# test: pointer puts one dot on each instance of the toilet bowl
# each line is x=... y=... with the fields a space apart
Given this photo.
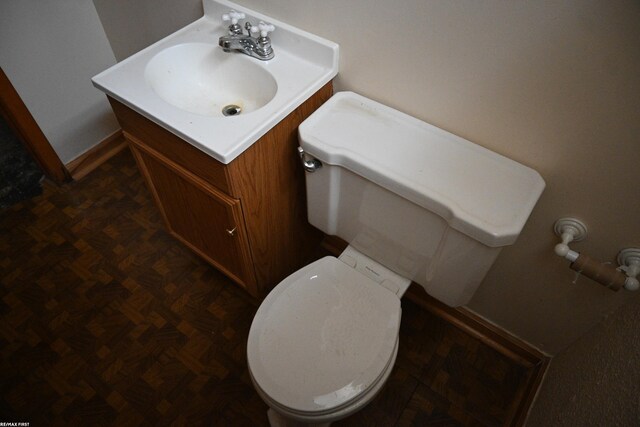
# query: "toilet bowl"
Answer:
x=415 y=203
x=323 y=342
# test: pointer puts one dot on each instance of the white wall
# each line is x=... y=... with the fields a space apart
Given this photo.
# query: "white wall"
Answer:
x=134 y=25
x=552 y=84
x=50 y=50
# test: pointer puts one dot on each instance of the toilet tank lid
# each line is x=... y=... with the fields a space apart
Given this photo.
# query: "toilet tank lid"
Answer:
x=477 y=191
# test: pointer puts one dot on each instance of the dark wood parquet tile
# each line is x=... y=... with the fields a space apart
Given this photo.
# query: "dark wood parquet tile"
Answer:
x=106 y=320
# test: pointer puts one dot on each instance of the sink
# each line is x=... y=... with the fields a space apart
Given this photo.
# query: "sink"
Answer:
x=202 y=79
x=185 y=81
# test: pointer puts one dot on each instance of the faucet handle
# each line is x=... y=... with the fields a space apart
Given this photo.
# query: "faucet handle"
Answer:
x=233 y=16
x=264 y=29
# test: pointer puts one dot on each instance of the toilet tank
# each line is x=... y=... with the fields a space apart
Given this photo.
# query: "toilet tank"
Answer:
x=429 y=205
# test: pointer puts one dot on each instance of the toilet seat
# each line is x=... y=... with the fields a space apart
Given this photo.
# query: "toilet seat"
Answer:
x=323 y=338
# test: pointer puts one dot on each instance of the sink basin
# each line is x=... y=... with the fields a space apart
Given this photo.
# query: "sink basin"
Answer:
x=184 y=81
x=202 y=79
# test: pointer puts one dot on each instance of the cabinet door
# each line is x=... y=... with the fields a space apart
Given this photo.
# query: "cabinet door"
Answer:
x=202 y=217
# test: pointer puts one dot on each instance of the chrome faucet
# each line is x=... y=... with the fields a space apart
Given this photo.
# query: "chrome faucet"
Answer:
x=236 y=41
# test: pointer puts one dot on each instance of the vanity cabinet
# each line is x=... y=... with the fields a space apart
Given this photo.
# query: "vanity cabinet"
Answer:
x=246 y=218
x=205 y=219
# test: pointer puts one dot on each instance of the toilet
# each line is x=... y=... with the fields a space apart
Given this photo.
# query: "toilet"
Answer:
x=416 y=204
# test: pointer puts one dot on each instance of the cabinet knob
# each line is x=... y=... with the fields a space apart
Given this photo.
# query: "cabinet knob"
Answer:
x=232 y=232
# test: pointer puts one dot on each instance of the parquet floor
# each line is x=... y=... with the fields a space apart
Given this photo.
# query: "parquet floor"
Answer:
x=106 y=320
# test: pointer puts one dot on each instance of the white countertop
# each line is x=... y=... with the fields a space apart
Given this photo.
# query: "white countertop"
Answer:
x=303 y=63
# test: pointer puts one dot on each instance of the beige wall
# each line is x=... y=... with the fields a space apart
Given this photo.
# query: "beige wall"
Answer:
x=596 y=382
x=553 y=84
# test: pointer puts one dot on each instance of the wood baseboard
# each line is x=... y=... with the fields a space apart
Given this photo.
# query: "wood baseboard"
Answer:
x=84 y=164
x=516 y=350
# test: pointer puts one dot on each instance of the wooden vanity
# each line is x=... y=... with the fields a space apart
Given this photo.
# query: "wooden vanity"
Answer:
x=246 y=218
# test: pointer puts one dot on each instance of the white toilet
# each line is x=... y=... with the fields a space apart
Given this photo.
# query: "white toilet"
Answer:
x=415 y=203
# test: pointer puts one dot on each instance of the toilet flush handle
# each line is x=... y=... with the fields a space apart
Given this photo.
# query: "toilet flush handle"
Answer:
x=309 y=163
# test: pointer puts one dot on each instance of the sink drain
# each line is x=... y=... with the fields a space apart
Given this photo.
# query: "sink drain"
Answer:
x=231 y=110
